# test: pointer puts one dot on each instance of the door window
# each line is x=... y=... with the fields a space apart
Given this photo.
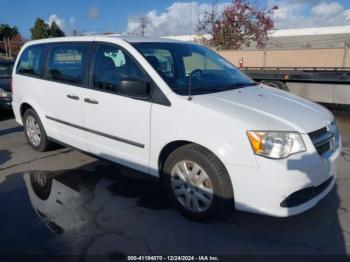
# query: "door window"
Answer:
x=161 y=60
x=66 y=63
x=111 y=66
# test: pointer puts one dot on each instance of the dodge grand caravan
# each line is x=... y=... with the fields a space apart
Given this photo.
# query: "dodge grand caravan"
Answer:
x=183 y=114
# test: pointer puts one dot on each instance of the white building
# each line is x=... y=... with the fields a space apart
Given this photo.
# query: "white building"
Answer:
x=316 y=37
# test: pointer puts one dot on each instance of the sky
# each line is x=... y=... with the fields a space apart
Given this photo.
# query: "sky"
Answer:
x=164 y=17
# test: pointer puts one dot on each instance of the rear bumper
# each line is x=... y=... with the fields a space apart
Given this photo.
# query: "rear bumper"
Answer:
x=16 y=112
x=274 y=188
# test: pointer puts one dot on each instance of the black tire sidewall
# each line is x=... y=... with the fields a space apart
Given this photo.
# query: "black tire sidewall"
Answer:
x=220 y=198
x=44 y=140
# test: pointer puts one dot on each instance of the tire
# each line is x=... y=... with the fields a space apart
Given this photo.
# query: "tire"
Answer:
x=32 y=124
x=41 y=184
x=212 y=177
x=276 y=84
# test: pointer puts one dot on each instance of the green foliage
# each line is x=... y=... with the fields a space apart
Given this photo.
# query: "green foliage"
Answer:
x=7 y=31
x=43 y=30
x=55 y=30
x=40 y=29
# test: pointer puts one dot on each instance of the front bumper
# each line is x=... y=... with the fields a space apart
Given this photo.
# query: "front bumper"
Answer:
x=264 y=189
x=5 y=103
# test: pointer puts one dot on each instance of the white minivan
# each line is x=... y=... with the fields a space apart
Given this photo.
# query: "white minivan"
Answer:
x=183 y=114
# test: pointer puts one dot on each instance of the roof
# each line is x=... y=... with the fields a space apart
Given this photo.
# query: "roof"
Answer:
x=137 y=39
x=128 y=38
x=188 y=38
x=331 y=30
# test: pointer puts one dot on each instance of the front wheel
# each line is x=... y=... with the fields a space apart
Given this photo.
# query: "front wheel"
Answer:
x=197 y=183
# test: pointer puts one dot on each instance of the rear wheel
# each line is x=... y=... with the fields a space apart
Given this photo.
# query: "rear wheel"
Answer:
x=197 y=183
x=34 y=131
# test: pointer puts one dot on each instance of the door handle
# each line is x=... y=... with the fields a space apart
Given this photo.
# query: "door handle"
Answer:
x=74 y=97
x=91 y=101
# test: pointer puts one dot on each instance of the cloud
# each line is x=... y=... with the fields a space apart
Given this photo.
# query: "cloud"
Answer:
x=327 y=9
x=347 y=14
x=309 y=13
x=67 y=27
x=94 y=12
x=175 y=20
x=59 y=21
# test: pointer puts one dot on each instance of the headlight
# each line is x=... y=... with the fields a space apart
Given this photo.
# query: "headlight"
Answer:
x=275 y=144
x=5 y=94
x=333 y=127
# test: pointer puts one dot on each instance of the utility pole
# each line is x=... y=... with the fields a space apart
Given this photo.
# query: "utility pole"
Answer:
x=143 y=25
x=345 y=56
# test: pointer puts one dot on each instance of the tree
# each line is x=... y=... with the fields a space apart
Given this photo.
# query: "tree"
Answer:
x=12 y=34
x=55 y=30
x=241 y=23
x=7 y=31
x=16 y=43
x=40 y=30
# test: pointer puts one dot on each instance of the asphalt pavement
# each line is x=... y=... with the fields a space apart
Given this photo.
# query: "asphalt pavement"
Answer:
x=64 y=202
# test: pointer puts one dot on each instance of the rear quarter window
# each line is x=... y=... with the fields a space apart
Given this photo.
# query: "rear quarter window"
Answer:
x=30 y=61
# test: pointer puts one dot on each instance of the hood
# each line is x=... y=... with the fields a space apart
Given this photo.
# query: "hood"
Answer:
x=266 y=108
x=5 y=84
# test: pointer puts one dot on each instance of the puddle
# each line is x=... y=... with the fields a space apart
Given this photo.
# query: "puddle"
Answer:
x=61 y=207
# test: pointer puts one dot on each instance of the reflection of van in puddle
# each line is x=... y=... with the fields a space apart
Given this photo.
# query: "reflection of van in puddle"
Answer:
x=58 y=200
x=180 y=112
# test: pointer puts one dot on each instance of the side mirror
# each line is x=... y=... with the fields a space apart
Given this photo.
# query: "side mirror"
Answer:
x=135 y=88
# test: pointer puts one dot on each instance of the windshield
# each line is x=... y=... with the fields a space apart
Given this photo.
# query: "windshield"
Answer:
x=182 y=65
x=6 y=69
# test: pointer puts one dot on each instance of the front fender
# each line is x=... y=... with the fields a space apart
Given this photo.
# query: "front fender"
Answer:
x=225 y=138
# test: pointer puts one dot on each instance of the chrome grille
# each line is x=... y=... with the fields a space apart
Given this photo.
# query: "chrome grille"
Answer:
x=326 y=139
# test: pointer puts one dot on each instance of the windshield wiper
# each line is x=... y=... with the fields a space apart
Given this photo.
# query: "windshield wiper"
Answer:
x=240 y=85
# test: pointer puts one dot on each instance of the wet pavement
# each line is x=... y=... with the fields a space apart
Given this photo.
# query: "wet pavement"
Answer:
x=64 y=202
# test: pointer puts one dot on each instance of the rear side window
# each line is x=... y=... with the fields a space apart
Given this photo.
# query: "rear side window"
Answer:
x=30 y=61
x=66 y=63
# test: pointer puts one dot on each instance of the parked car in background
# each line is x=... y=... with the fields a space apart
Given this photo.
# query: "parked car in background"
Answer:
x=183 y=114
x=6 y=67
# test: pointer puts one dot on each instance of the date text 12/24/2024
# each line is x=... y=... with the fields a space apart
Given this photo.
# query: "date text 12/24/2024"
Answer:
x=173 y=258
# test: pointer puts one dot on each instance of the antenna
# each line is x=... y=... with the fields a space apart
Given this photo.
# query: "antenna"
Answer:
x=190 y=75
